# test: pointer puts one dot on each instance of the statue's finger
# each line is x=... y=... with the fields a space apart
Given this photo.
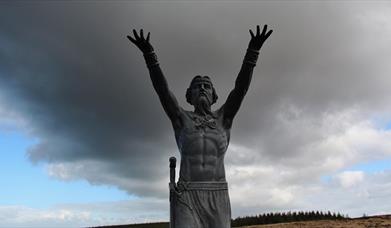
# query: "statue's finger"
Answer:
x=264 y=29
x=268 y=33
x=135 y=34
x=131 y=39
x=148 y=36
x=252 y=34
x=257 y=30
x=141 y=33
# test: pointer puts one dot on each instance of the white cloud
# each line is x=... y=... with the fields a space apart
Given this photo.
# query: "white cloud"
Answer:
x=317 y=147
x=21 y=216
x=88 y=214
x=348 y=179
x=9 y=119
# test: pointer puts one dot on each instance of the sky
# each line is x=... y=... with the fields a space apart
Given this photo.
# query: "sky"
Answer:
x=84 y=140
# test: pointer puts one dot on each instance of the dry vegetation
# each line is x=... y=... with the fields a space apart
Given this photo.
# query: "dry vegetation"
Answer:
x=367 y=222
x=381 y=221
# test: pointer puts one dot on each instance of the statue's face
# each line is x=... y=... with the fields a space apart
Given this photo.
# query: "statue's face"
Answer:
x=202 y=91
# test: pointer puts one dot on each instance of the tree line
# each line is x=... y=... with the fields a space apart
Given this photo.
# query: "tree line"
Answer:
x=278 y=217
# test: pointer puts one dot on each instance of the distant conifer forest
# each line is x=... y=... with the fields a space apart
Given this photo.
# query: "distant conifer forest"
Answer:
x=271 y=218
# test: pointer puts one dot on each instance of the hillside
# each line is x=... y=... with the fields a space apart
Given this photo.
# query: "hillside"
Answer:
x=380 y=221
x=373 y=221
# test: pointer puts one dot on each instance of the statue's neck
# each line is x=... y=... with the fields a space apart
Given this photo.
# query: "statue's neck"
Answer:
x=202 y=110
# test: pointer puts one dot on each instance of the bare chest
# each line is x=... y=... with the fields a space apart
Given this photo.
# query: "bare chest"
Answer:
x=202 y=135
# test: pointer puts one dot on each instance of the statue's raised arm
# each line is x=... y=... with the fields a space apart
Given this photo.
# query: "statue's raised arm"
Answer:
x=235 y=98
x=159 y=82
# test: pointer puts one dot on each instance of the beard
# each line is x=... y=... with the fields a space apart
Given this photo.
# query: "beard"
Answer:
x=203 y=104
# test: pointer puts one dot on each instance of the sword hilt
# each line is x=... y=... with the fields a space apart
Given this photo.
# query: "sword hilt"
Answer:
x=172 y=169
x=172 y=161
x=172 y=173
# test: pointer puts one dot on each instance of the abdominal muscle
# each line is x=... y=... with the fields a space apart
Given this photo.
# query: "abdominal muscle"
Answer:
x=202 y=155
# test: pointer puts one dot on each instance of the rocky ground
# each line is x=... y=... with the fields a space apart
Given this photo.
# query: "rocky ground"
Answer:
x=367 y=222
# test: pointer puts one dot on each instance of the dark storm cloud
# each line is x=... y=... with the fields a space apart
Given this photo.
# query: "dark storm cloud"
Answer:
x=86 y=94
x=83 y=100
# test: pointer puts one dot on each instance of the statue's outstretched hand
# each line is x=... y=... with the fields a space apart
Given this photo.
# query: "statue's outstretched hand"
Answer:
x=141 y=42
x=257 y=40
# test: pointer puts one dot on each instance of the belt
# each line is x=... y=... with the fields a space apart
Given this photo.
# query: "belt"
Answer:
x=202 y=185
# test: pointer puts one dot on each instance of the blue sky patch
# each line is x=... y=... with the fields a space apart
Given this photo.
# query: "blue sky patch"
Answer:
x=373 y=166
x=23 y=183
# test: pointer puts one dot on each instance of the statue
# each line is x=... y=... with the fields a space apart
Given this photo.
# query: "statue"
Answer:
x=202 y=136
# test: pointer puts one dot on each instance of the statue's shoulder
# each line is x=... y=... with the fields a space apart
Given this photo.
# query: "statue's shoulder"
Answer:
x=218 y=113
x=187 y=113
x=226 y=122
x=185 y=117
x=179 y=121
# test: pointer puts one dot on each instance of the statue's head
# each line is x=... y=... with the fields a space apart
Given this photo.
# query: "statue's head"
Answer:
x=201 y=89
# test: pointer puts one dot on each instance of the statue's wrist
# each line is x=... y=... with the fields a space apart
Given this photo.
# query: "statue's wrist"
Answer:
x=253 y=50
x=147 y=51
x=251 y=57
x=255 y=47
x=150 y=58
